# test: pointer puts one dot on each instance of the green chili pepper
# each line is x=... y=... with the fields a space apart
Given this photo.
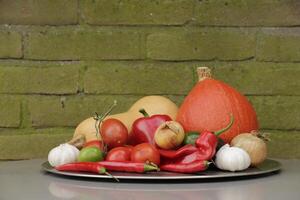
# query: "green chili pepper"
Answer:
x=191 y=137
x=220 y=143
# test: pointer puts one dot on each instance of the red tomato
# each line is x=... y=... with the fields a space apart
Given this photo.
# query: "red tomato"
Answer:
x=114 y=133
x=145 y=152
x=94 y=143
x=119 y=154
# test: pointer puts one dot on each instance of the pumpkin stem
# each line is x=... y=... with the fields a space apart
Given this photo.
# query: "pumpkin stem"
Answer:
x=143 y=111
x=203 y=73
x=227 y=127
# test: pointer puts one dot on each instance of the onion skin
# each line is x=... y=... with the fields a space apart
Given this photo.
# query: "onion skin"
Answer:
x=254 y=146
x=169 y=135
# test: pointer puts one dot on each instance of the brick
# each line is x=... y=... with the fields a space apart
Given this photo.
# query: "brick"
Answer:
x=279 y=45
x=36 y=143
x=43 y=80
x=10 y=44
x=10 y=112
x=38 y=12
x=75 y=44
x=248 y=13
x=277 y=112
x=134 y=12
x=284 y=144
x=138 y=78
x=177 y=99
x=260 y=78
x=32 y=143
x=69 y=111
x=202 y=44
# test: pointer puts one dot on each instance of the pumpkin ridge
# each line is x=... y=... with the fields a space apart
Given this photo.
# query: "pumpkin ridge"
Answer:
x=242 y=110
x=227 y=104
x=232 y=95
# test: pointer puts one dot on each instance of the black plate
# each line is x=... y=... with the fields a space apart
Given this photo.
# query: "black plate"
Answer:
x=267 y=167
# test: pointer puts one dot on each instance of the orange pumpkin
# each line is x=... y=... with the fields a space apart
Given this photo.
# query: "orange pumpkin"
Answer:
x=209 y=105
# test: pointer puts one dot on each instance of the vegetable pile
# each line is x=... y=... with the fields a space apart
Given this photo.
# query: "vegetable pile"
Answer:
x=215 y=124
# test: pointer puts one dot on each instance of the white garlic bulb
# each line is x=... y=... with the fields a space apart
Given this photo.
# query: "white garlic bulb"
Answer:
x=63 y=154
x=232 y=158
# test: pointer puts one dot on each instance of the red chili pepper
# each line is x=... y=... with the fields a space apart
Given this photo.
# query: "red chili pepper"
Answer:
x=143 y=129
x=82 y=167
x=183 y=151
x=205 y=149
x=191 y=158
x=128 y=166
x=193 y=167
x=207 y=141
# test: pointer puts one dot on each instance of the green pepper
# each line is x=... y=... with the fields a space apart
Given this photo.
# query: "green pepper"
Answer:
x=220 y=143
x=191 y=137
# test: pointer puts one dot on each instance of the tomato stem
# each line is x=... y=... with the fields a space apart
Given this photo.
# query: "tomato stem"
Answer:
x=98 y=120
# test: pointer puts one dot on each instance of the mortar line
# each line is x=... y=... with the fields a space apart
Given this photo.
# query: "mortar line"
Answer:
x=252 y=58
x=184 y=24
x=129 y=94
x=21 y=115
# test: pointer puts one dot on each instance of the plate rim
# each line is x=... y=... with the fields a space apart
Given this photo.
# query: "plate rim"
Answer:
x=133 y=176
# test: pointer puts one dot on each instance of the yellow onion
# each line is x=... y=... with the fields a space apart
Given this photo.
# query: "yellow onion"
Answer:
x=253 y=145
x=169 y=135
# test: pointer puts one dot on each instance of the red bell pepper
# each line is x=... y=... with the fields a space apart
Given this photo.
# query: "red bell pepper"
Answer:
x=143 y=129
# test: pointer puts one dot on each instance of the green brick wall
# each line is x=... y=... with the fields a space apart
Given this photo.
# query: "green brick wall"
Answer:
x=62 y=60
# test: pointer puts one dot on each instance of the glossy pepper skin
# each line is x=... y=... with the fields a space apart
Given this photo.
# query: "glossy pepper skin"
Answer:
x=91 y=167
x=192 y=167
x=207 y=141
x=206 y=145
x=127 y=166
x=143 y=129
x=183 y=151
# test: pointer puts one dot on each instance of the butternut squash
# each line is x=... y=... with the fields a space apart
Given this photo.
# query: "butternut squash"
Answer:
x=152 y=104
